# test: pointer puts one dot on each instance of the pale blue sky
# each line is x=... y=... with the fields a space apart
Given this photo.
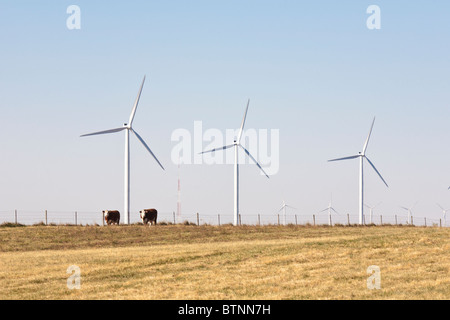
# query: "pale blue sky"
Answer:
x=311 y=68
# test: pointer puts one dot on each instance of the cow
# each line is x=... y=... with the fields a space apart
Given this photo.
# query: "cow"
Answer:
x=111 y=216
x=149 y=215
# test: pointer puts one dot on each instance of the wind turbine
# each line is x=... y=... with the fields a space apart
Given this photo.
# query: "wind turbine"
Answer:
x=283 y=207
x=371 y=210
x=409 y=212
x=444 y=213
x=362 y=156
x=128 y=128
x=329 y=209
x=236 y=145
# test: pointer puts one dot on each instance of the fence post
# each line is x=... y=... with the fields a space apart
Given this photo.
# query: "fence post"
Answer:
x=76 y=217
x=198 y=219
x=103 y=218
x=348 y=219
x=46 y=218
x=412 y=221
x=381 y=219
x=259 y=219
x=395 y=219
x=15 y=216
x=314 y=220
x=440 y=223
x=425 y=222
x=278 y=215
x=295 y=219
x=240 y=221
x=174 y=220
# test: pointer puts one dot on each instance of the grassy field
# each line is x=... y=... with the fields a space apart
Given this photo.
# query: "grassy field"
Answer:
x=208 y=262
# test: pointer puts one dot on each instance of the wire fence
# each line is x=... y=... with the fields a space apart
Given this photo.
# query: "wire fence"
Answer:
x=27 y=217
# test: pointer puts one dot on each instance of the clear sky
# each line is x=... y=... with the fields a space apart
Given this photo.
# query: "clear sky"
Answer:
x=312 y=69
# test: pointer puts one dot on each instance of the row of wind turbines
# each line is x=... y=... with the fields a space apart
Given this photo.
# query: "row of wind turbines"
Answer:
x=127 y=127
x=330 y=209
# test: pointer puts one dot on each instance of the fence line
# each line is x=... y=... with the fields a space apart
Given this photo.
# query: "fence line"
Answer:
x=28 y=217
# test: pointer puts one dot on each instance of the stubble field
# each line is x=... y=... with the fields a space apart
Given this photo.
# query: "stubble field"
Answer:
x=209 y=262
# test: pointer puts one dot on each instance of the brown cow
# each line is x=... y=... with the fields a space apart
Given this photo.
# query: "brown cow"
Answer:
x=112 y=216
x=149 y=215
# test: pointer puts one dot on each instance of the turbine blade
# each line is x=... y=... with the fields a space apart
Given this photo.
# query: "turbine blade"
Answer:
x=243 y=123
x=251 y=157
x=346 y=158
x=334 y=210
x=104 y=132
x=218 y=149
x=147 y=147
x=405 y=208
x=368 y=137
x=133 y=111
x=440 y=206
x=370 y=162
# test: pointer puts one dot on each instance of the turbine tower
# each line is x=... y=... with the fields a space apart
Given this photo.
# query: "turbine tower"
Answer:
x=128 y=128
x=236 y=145
x=362 y=156
x=179 y=193
x=444 y=214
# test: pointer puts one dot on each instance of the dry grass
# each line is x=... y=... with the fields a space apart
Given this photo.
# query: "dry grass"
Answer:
x=189 y=262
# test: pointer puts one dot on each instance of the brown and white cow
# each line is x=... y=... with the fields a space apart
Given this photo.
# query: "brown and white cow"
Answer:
x=111 y=216
x=149 y=215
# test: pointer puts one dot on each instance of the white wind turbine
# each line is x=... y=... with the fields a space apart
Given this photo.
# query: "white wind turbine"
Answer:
x=444 y=214
x=362 y=156
x=409 y=212
x=329 y=209
x=371 y=210
x=283 y=207
x=236 y=145
x=128 y=128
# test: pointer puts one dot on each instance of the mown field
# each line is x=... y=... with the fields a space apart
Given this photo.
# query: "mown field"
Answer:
x=210 y=262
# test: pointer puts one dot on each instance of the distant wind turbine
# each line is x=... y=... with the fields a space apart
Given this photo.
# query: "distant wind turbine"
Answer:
x=409 y=212
x=329 y=209
x=283 y=207
x=371 y=210
x=362 y=156
x=236 y=145
x=128 y=128
x=444 y=213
